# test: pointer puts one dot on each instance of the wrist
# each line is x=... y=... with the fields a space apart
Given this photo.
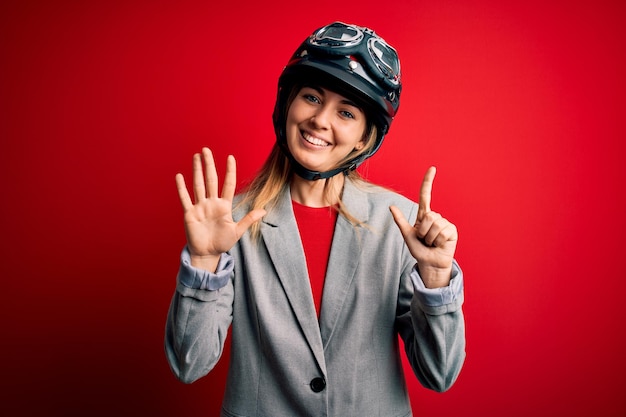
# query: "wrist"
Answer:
x=433 y=277
x=205 y=262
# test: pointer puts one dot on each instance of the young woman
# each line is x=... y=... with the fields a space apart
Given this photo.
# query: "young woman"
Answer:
x=308 y=267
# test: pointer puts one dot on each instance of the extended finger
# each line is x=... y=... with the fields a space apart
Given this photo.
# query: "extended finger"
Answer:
x=211 y=173
x=404 y=226
x=248 y=220
x=198 y=179
x=230 y=179
x=183 y=194
x=425 y=192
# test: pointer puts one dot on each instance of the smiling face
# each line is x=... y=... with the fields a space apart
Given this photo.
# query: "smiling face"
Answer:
x=323 y=127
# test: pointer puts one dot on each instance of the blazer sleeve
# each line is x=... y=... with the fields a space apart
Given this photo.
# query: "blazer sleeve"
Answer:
x=432 y=326
x=198 y=319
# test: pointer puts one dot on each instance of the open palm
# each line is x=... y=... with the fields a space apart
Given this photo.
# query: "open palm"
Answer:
x=209 y=223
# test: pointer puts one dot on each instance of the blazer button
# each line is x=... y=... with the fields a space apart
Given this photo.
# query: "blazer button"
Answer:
x=318 y=384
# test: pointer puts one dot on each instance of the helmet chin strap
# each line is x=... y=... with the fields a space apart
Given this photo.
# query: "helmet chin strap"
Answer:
x=315 y=175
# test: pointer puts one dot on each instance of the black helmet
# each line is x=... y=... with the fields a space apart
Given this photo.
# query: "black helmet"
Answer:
x=353 y=61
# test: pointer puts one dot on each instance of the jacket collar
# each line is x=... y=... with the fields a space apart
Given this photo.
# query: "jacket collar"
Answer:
x=282 y=239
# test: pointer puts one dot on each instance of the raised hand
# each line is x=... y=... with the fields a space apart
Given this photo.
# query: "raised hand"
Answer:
x=432 y=240
x=209 y=223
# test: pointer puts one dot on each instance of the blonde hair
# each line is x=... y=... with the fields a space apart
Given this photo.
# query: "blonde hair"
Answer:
x=277 y=172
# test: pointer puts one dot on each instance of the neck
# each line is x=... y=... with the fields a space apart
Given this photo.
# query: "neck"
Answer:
x=311 y=193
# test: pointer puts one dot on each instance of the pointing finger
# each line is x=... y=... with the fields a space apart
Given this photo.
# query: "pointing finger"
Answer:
x=425 y=192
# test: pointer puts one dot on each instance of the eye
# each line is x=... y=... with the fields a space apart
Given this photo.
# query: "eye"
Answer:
x=311 y=98
x=346 y=114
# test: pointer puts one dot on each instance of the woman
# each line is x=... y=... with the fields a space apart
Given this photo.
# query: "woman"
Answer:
x=308 y=267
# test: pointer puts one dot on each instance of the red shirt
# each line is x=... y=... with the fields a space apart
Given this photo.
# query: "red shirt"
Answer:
x=316 y=226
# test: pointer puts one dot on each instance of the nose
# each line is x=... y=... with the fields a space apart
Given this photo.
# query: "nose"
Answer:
x=321 y=119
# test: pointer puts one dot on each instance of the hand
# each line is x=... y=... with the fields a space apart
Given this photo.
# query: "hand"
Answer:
x=432 y=240
x=209 y=223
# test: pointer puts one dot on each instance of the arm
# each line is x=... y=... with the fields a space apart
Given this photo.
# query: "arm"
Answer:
x=433 y=330
x=433 y=327
x=199 y=317
x=201 y=308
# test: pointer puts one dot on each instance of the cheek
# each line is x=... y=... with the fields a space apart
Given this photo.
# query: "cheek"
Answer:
x=356 y=135
x=289 y=116
x=290 y=123
x=296 y=110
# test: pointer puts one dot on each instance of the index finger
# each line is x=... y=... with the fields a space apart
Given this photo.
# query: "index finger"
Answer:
x=425 y=192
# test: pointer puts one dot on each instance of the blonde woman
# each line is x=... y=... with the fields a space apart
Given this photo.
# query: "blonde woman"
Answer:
x=307 y=265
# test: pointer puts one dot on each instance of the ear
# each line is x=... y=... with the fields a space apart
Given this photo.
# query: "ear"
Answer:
x=367 y=136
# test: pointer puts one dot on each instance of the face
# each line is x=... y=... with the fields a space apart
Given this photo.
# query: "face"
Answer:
x=323 y=127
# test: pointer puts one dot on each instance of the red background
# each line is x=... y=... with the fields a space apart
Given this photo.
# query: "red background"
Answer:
x=520 y=106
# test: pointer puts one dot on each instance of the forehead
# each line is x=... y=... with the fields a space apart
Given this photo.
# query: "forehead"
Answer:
x=330 y=93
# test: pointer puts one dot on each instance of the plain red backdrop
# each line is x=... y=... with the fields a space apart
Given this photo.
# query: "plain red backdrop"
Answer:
x=519 y=105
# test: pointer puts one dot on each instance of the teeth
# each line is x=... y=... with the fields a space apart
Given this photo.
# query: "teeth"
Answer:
x=314 y=140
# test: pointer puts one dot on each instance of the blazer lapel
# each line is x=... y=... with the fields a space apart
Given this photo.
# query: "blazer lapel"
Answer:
x=344 y=259
x=282 y=239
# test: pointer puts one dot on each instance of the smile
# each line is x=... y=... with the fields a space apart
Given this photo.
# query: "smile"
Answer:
x=313 y=140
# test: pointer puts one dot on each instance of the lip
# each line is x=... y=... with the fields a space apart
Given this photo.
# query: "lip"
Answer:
x=312 y=140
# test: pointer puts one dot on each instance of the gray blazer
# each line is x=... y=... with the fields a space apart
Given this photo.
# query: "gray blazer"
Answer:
x=286 y=363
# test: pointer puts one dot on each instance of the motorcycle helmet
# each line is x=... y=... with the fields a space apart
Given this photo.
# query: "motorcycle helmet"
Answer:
x=353 y=61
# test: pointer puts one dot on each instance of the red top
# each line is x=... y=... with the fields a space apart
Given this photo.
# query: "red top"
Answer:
x=316 y=225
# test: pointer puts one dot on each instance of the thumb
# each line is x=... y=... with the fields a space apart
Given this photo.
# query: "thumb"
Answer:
x=404 y=226
x=248 y=220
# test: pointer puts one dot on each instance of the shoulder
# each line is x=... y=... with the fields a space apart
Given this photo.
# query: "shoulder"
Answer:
x=278 y=207
x=376 y=194
x=241 y=206
x=371 y=200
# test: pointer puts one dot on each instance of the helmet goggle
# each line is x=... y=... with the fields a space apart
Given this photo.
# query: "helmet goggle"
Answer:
x=380 y=58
